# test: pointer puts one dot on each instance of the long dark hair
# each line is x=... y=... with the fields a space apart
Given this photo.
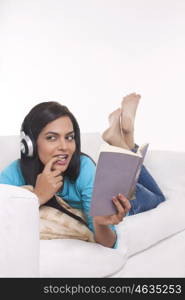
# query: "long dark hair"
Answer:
x=39 y=116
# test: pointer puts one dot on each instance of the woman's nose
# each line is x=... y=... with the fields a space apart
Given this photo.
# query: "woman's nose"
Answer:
x=62 y=144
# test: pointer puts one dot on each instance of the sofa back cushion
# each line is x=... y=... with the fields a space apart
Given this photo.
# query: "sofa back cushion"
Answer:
x=10 y=147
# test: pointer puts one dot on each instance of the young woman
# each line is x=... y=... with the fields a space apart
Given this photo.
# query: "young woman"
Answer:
x=52 y=162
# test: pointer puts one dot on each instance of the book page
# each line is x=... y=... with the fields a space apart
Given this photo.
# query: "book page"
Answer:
x=142 y=150
x=109 y=148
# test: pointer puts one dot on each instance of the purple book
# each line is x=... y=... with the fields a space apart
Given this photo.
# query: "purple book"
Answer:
x=117 y=172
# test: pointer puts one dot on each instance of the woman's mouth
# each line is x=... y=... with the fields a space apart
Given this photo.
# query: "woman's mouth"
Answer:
x=62 y=160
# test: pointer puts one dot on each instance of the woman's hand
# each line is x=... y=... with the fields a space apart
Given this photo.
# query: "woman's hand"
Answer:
x=48 y=182
x=122 y=205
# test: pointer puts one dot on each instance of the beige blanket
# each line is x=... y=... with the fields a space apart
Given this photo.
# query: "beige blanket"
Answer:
x=55 y=224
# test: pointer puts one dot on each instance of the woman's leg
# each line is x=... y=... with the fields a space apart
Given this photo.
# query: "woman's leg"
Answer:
x=147 y=195
x=121 y=133
x=146 y=179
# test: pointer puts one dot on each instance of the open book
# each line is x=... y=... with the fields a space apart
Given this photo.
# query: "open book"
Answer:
x=117 y=172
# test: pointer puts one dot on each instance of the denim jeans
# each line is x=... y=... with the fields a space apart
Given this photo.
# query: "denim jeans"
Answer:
x=148 y=194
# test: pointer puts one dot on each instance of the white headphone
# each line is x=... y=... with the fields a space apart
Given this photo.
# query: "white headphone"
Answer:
x=26 y=145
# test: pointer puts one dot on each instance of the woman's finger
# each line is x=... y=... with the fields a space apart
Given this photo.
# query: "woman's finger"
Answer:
x=56 y=173
x=58 y=185
x=58 y=179
x=119 y=207
x=49 y=164
x=125 y=202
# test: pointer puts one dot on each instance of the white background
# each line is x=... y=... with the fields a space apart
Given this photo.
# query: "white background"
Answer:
x=88 y=54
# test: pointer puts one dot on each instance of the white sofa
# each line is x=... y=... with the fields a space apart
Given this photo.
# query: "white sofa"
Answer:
x=151 y=244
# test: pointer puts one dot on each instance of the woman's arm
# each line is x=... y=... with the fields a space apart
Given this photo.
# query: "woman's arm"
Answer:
x=104 y=235
x=102 y=226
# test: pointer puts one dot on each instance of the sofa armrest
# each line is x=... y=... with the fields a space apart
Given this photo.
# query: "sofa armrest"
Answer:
x=19 y=232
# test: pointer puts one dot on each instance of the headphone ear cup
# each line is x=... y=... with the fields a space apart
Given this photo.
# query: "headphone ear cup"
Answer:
x=26 y=145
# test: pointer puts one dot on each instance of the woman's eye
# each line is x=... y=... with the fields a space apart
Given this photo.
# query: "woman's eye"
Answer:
x=70 y=137
x=51 y=138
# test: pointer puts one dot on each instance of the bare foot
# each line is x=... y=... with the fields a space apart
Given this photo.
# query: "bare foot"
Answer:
x=113 y=117
x=129 y=107
x=113 y=134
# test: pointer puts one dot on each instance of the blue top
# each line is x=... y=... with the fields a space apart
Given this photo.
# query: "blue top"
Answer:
x=77 y=194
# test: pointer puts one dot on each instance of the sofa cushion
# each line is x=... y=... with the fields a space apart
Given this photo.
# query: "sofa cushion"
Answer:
x=75 y=258
x=90 y=142
x=19 y=232
x=145 y=229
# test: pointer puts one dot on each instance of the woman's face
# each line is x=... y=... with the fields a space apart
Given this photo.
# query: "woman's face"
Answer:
x=57 y=139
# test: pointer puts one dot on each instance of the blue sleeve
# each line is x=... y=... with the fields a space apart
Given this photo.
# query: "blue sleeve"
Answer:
x=12 y=175
x=85 y=184
x=4 y=178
